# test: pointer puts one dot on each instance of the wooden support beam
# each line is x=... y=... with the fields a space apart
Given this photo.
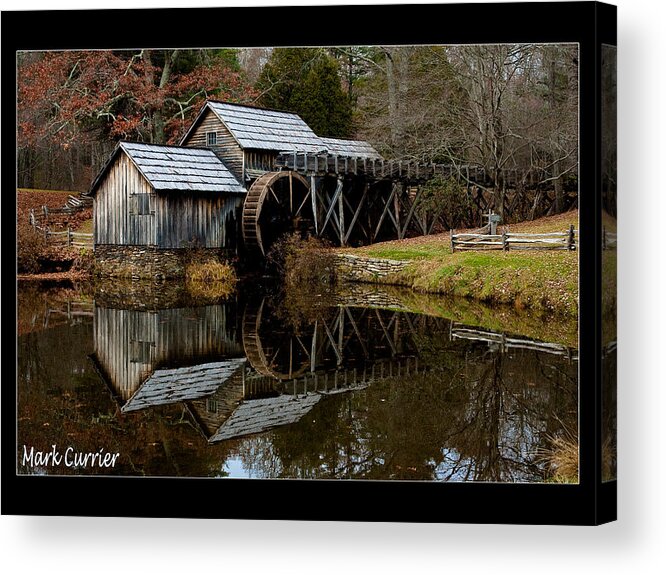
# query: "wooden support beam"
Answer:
x=313 y=350
x=305 y=199
x=396 y=208
x=356 y=214
x=386 y=334
x=338 y=191
x=358 y=333
x=341 y=213
x=410 y=214
x=332 y=340
x=387 y=206
x=291 y=194
x=314 y=197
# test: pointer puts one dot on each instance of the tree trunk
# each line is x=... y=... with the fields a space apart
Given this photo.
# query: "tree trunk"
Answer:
x=392 y=101
x=158 y=118
x=557 y=181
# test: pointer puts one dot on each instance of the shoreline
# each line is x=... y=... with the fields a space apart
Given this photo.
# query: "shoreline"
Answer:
x=543 y=283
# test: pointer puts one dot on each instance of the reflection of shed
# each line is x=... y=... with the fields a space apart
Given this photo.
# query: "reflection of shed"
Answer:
x=259 y=415
x=132 y=344
x=166 y=386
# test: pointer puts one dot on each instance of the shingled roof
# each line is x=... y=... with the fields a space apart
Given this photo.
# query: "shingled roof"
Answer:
x=351 y=148
x=258 y=415
x=166 y=386
x=263 y=129
x=176 y=168
x=258 y=128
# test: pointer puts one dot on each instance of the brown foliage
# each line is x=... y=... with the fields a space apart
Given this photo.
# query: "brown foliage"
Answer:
x=30 y=247
x=302 y=262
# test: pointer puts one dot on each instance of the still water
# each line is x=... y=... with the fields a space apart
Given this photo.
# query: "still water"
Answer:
x=364 y=384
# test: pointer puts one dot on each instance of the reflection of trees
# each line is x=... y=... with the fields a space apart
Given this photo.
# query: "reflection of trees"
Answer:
x=508 y=416
x=481 y=416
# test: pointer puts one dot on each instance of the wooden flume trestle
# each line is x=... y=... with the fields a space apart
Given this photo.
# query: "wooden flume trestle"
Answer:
x=347 y=339
x=359 y=201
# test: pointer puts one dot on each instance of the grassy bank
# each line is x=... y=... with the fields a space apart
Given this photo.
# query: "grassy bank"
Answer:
x=541 y=281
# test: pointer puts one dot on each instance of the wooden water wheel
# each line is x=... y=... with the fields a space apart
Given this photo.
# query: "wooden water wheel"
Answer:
x=278 y=355
x=277 y=202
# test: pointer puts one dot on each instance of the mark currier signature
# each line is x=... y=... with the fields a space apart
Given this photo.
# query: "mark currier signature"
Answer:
x=70 y=457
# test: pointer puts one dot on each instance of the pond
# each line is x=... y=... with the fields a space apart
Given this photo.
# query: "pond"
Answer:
x=362 y=383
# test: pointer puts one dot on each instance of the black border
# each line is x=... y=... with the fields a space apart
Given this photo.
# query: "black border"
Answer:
x=589 y=503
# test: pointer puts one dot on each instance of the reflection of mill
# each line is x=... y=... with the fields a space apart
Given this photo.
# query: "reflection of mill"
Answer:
x=241 y=377
x=239 y=374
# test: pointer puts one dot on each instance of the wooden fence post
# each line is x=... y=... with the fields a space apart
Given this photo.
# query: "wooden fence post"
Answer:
x=571 y=244
x=453 y=248
x=505 y=244
x=69 y=236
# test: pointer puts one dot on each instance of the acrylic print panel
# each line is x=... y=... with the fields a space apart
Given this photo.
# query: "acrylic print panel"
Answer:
x=335 y=268
x=350 y=381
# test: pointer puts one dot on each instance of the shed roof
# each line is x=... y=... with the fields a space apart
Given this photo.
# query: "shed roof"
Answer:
x=352 y=148
x=176 y=168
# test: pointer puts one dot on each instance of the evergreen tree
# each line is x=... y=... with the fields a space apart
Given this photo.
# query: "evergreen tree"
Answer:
x=307 y=81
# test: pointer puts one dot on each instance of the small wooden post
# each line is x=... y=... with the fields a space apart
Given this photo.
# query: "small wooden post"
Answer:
x=505 y=244
x=453 y=247
x=571 y=244
x=69 y=236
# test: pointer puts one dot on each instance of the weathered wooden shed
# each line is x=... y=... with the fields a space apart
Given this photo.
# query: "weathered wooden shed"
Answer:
x=165 y=198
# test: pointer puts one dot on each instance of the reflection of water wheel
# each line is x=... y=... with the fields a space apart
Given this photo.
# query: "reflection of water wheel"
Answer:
x=263 y=357
x=274 y=204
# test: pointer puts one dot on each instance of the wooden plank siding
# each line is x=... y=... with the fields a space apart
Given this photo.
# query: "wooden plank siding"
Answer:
x=176 y=219
x=197 y=219
x=213 y=410
x=260 y=161
x=113 y=222
x=227 y=149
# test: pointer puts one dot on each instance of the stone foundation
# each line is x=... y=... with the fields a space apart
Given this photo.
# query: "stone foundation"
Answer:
x=145 y=262
x=365 y=269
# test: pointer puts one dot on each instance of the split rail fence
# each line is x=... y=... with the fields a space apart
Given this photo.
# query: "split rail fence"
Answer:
x=506 y=241
x=39 y=221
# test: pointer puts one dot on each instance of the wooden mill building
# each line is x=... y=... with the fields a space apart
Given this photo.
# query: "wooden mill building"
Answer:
x=152 y=202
